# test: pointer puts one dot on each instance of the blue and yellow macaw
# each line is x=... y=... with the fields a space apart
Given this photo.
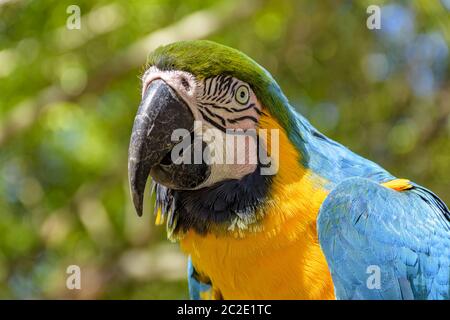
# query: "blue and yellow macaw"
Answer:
x=327 y=224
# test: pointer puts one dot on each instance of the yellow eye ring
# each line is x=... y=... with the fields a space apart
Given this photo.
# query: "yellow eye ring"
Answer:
x=242 y=94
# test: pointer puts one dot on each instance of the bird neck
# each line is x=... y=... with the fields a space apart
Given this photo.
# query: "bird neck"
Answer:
x=284 y=241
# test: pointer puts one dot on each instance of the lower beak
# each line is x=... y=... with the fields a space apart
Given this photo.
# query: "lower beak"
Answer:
x=160 y=113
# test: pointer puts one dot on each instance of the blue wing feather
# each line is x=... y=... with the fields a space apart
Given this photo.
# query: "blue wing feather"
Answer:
x=405 y=234
x=196 y=287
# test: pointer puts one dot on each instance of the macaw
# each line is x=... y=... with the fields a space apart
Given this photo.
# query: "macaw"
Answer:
x=328 y=224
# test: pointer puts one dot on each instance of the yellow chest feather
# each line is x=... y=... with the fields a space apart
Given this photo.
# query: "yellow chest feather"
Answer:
x=280 y=260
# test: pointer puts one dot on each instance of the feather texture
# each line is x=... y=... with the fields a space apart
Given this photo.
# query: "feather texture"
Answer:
x=406 y=234
x=368 y=219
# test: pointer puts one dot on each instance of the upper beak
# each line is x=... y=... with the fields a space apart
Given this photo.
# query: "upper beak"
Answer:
x=161 y=112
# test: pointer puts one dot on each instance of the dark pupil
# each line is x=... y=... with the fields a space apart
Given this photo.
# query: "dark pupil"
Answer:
x=242 y=94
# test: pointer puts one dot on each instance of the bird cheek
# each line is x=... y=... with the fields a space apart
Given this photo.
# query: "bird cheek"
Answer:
x=233 y=157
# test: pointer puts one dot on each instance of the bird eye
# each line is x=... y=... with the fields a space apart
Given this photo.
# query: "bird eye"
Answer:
x=242 y=94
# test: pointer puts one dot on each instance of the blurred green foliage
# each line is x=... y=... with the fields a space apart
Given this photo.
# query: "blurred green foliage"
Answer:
x=68 y=99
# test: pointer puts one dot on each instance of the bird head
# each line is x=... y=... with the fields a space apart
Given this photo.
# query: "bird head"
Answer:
x=188 y=89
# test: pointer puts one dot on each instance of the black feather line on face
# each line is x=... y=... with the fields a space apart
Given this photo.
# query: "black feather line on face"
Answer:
x=224 y=89
x=212 y=122
x=250 y=106
x=218 y=84
x=214 y=207
x=212 y=114
x=215 y=106
x=243 y=118
x=206 y=81
x=211 y=80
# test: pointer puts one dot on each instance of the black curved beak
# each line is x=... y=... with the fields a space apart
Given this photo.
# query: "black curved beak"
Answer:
x=161 y=112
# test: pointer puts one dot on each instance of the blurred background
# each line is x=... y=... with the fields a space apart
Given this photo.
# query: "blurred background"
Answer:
x=68 y=99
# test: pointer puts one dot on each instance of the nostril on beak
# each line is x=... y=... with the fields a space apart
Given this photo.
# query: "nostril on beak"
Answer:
x=185 y=84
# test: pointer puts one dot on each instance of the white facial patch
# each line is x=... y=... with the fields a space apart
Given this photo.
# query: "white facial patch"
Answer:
x=225 y=105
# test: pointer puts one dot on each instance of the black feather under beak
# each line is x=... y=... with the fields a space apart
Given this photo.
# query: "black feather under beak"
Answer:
x=160 y=113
